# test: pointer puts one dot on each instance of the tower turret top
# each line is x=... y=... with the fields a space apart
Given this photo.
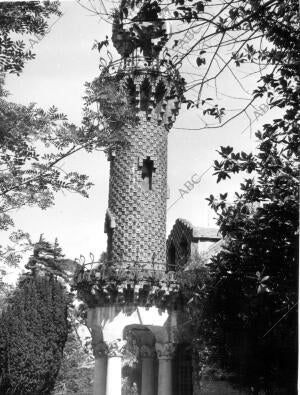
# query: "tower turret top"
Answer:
x=138 y=26
x=149 y=84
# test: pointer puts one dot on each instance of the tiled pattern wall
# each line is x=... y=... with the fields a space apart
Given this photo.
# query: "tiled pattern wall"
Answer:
x=140 y=216
x=137 y=218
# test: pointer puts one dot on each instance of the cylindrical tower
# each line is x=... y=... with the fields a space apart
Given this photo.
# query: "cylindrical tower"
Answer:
x=136 y=216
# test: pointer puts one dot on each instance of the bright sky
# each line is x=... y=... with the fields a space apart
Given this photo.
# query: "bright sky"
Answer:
x=64 y=62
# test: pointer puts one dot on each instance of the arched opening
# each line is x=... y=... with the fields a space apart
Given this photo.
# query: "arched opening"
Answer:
x=139 y=366
x=183 y=370
x=172 y=258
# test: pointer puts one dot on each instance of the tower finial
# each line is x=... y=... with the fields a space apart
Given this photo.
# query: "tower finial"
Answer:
x=138 y=26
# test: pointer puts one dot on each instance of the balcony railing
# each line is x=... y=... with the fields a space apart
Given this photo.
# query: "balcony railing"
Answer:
x=138 y=271
x=139 y=64
x=129 y=283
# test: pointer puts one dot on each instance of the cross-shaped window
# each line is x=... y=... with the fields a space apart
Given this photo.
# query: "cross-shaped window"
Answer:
x=147 y=170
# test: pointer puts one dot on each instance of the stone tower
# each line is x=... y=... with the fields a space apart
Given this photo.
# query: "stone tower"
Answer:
x=133 y=309
x=136 y=216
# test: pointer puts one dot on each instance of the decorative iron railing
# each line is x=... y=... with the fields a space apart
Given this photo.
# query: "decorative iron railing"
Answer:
x=131 y=282
x=139 y=282
x=136 y=63
x=135 y=271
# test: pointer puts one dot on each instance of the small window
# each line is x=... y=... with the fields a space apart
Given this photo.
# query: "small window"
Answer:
x=184 y=252
x=147 y=171
x=172 y=258
x=145 y=95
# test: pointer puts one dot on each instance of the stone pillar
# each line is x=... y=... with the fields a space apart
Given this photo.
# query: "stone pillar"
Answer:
x=100 y=354
x=148 y=376
x=114 y=368
x=100 y=376
x=165 y=354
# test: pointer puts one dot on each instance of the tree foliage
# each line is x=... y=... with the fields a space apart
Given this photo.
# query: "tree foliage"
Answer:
x=10 y=256
x=48 y=259
x=33 y=333
x=33 y=330
x=77 y=368
x=107 y=104
x=34 y=143
x=252 y=296
x=249 y=320
x=22 y=18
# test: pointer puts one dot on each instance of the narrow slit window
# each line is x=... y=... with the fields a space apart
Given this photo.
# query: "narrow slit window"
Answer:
x=145 y=95
x=147 y=172
x=184 y=252
x=172 y=257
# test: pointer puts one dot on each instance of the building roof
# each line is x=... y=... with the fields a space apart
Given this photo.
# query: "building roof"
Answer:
x=206 y=233
x=201 y=232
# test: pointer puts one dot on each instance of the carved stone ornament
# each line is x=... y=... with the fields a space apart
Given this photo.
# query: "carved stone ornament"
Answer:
x=98 y=345
x=165 y=351
x=147 y=352
x=116 y=348
x=100 y=350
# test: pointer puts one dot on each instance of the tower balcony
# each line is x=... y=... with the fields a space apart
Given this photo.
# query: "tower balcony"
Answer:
x=130 y=284
x=147 y=86
x=138 y=64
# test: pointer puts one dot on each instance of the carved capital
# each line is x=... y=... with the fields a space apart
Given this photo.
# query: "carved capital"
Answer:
x=100 y=350
x=98 y=345
x=116 y=348
x=147 y=352
x=165 y=350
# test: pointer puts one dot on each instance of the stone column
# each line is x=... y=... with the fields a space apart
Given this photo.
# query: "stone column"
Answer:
x=100 y=354
x=100 y=376
x=114 y=368
x=148 y=376
x=165 y=354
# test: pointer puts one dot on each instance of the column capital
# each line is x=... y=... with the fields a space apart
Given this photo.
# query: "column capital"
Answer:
x=100 y=349
x=147 y=352
x=98 y=345
x=165 y=350
x=116 y=348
